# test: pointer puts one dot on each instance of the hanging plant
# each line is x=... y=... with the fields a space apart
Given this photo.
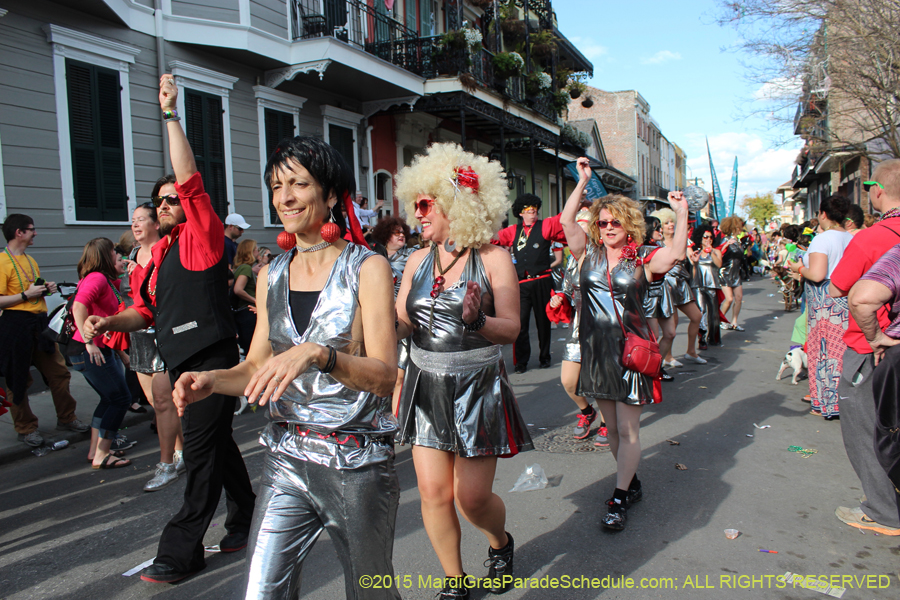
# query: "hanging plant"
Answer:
x=543 y=44
x=576 y=88
x=559 y=101
x=587 y=102
x=513 y=31
x=535 y=83
x=508 y=64
x=482 y=4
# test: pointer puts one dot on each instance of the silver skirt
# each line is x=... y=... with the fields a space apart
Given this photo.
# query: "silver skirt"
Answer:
x=680 y=290
x=461 y=402
x=572 y=353
x=144 y=354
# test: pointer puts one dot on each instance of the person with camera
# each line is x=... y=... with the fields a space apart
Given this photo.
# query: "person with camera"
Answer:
x=24 y=316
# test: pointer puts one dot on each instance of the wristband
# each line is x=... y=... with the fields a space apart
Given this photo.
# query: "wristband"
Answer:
x=24 y=297
x=478 y=323
x=171 y=115
x=331 y=362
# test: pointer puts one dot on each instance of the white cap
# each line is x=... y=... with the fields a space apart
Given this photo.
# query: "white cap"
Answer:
x=237 y=220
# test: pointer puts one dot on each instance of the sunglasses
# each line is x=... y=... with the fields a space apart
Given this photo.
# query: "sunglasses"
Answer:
x=615 y=223
x=869 y=184
x=424 y=206
x=707 y=237
x=171 y=200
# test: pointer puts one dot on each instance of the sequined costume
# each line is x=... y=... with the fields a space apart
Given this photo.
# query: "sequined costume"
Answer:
x=571 y=287
x=678 y=280
x=456 y=394
x=658 y=298
x=330 y=459
x=732 y=255
x=706 y=286
x=602 y=374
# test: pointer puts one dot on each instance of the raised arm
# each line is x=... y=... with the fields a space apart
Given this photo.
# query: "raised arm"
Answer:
x=665 y=258
x=179 y=148
x=575 y=237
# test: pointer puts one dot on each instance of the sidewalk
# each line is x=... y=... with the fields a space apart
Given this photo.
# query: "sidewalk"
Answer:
x=12 y=449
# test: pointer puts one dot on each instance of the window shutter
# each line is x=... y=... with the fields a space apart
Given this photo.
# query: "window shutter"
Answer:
x=278 y=127
x=95 y=130
x=206 y=135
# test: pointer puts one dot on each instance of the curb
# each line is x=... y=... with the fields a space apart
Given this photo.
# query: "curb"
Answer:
x=20 y=450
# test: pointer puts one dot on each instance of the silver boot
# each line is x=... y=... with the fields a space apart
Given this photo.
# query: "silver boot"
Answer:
x=178 y=459
x=166 y=474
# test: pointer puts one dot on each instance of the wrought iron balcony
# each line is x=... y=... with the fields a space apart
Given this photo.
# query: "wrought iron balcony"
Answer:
x=350 y=21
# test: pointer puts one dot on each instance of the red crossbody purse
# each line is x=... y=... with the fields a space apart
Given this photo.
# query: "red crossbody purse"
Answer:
x=639 y=354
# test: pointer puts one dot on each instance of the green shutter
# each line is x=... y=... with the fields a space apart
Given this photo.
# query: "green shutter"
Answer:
x=95 y=130
x=206 y=135
x=278 y=127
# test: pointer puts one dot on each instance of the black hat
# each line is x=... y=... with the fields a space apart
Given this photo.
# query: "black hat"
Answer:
x=523 y=201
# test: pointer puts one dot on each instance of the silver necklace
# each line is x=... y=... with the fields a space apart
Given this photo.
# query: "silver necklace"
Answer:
x=316 y=248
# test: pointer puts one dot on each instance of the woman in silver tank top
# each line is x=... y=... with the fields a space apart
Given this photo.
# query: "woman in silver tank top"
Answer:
x=329 y=459
x=613 y=281
x=707 y=261
x=730 y=273
x=460 y=301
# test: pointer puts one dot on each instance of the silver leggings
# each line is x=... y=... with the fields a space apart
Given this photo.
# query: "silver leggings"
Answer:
x=299 y=499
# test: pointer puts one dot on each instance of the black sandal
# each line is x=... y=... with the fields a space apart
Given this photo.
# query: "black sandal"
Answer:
x=118 y=463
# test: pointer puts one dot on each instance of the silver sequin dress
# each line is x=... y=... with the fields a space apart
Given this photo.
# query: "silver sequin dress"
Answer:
x=658 y=299
x=602 y=374
x=456 y=394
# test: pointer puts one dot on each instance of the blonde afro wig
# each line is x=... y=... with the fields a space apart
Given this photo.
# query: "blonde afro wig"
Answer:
x=475 y=216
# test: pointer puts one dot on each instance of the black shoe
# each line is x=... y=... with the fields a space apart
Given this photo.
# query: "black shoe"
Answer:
x=635 y=493
x=701 y=342
x=163 y=573
x=665 y=376
x=545 y=364
x=615 y=516
x=233 y=542
x=140 y=409
x=521 y=368
x=500 y=566
x=454 y=590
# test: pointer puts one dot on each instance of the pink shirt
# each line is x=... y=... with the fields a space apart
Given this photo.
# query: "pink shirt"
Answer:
x=95 y=293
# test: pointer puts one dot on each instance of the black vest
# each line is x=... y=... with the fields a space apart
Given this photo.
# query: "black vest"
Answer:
x=192 y=310
x=534 y=258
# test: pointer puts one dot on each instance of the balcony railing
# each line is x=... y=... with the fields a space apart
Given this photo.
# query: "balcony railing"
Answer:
x=351 y=21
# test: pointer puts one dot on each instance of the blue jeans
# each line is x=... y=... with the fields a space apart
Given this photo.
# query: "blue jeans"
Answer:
x=108 y=380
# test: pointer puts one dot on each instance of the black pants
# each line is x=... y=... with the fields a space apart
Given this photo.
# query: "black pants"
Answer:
x=886 y=387
x=245 y=323
x=534 y=295
x=213 y=461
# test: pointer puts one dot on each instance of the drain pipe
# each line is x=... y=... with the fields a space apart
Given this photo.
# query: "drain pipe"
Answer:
x=161 y=67
x=371 y=182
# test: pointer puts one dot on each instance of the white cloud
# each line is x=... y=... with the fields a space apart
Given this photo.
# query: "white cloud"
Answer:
x=661 y=57
x=780 y=88
x=587 y=46
x=761 y=168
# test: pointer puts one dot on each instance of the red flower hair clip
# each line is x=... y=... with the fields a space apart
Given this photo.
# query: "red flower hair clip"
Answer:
x=465 y=176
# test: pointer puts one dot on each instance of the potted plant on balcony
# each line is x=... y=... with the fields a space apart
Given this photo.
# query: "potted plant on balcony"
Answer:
x=559 y=101
x=455 y=49
x=543 y=44
x=576 y=88
x=508 y=64
x=574 y=137
x=482 y=4
x=537 y=82
x=587 y=102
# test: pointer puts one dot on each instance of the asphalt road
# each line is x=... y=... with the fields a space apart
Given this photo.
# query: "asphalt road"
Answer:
x=67 y=531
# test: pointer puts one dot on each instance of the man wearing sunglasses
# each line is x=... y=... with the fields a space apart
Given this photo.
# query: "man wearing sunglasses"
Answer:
x=234 y=229
x=185 y=295
x=879 y=512
x=531 y=241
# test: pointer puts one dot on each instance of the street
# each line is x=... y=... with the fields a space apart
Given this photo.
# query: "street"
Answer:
x=69 y=532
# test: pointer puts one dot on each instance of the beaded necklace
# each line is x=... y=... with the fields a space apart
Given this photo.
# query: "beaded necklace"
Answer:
x=523 y=237
x=19 y=276
x=894 y=212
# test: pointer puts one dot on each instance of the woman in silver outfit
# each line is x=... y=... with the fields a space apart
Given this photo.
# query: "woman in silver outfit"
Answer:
x=610 y=255
x=570 y=369
x=460 y=301
x=678 y=282
x=324 y=358
x=730 y=273
x=658 y=307
x=707 y=261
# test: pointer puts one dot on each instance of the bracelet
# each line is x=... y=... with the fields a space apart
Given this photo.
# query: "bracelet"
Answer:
x=171 y=115
x=331 y=362
x=24 y=297
x=477 y=323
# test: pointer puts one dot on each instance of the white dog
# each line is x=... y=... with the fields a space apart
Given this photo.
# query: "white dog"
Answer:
x=795 y=359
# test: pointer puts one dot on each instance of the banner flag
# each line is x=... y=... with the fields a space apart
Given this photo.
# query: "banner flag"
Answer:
x=594 y=187
x=719 y=203
x=732 y=192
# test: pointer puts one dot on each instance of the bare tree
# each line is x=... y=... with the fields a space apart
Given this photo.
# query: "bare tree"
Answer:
x=841 y=57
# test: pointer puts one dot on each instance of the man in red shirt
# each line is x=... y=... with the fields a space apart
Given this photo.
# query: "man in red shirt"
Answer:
x=879 y=512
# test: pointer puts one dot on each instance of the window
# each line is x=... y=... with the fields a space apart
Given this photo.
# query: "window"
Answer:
x=278 y=114
x=340 y=128
x=203 y=104
x=93 y=114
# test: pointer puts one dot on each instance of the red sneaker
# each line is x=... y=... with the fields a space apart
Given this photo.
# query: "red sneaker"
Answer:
x=583 y=428
x=600 y=439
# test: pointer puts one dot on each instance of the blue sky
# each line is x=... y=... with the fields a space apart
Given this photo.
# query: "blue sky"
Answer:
x=672 y=53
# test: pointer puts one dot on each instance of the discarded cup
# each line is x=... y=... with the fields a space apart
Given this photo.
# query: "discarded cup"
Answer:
x=732 y=533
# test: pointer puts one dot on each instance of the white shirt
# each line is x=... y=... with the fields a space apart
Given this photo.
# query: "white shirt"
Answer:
x=831 y=243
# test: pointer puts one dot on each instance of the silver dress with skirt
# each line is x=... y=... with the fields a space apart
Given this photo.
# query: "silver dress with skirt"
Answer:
x=330 y=459
x=398 y=265
x=571 y=287
x=456 y=394
x=678 y=280
x=143 y=354
x=658 y=299
x=732 y=255
x=602 y=374
x=706 y=286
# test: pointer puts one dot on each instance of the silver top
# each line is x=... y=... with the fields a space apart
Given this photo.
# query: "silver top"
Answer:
x=706 y=273
x=656 y=287
x=449 y=333
x=316 y=400
x=571 y=287
x=683 y=269
x=398 y=264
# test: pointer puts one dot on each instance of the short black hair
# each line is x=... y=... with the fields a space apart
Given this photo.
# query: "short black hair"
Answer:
x=523 y=201
x=697 y=234
x=835 y=208
x=651 y=224
x=16 y=222
x=165 y=179
x=322 y=161
x=855 y=214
